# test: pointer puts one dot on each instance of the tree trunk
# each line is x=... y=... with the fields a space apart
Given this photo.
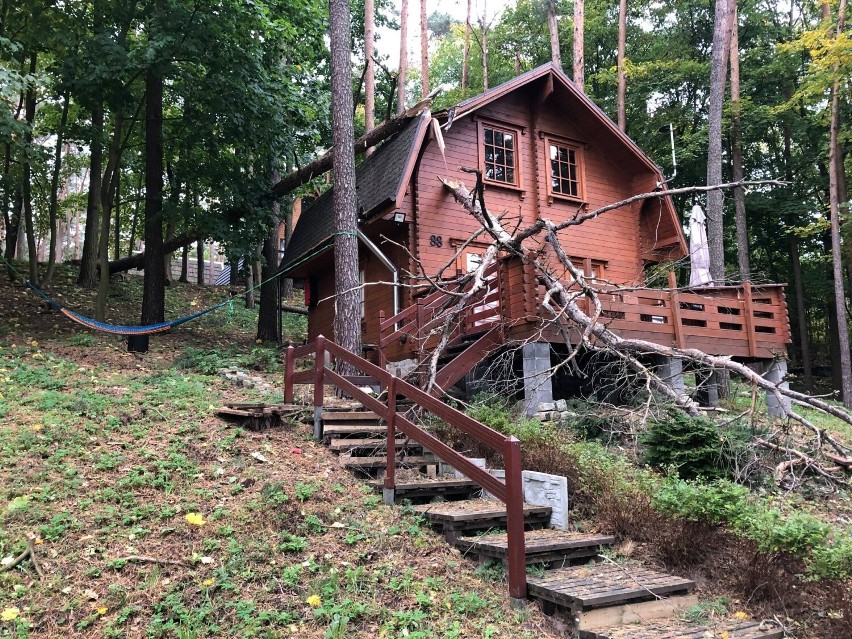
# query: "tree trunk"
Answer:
x=424 y=50
x=466 y=53
x=88 y=275
x=184 y=265
x=834 y=207
x=26 y=188
x=369 y=70
x=484 y=41
x=579 y=36
x=801 y=314
x=199 y=263
x=290 y=213
x=14 y=229
x=153 y=287
x=403 y=57
x=622 y=78
x=249 y=295
x=553 y=27
x=347 y=316
x=135 y=220
x=116 y=249
x=106 y=195
x=737 y=154
x=716 y=199
x=267 y=315
x=54 y=191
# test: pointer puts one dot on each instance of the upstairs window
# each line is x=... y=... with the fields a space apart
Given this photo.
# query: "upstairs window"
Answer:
x=566 y=170
x=500 y=155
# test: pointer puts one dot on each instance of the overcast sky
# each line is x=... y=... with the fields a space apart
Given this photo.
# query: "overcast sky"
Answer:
x=388 y=43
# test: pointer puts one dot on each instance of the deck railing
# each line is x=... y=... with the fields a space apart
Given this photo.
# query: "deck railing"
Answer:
x=746 y=320
x=510 y=491
x=414 y=327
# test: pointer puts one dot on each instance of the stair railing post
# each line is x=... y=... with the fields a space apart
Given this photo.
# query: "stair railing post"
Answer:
x=390 y=473
x=383 y=361
x=319 y=390
x=289 y=365
x=517 y=563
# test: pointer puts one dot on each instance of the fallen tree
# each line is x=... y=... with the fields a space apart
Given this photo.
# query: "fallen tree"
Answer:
x=565 y=315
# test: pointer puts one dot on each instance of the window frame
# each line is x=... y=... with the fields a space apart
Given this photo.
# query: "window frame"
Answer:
x=579 y=154
x=504 y=127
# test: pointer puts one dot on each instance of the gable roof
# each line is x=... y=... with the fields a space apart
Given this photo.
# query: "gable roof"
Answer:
x=380 y=179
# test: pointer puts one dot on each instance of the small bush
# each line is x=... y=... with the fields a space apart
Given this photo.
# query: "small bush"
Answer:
x=692 y=445
x=205 y=362
x=721 y=502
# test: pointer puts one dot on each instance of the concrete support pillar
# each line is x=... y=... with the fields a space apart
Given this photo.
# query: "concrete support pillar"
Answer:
x=707 y=393
x=775 y=373
x=538 y=386
x=670 y=370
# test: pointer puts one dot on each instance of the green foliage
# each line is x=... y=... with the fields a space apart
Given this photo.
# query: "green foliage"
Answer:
x=689 y=445
x=719 y=503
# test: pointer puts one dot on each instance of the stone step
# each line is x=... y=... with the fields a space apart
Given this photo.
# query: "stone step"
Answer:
x=731 y=629
x=426 y=488
x=605 y=595
x=377 y=443
x=457 y=517
x=350 y=416
x=542 y=546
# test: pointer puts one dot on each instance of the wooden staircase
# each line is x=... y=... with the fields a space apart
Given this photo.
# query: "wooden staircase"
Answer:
x=605 y=600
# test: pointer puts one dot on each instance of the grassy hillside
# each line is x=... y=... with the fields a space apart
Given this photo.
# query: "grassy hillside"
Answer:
x=152 y=519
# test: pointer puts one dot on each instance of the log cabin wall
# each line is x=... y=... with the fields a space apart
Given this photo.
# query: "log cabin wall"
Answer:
x=377 y=297
x=610 y=245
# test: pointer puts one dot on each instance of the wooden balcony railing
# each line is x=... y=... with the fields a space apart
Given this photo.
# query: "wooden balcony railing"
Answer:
x=414 y=329
x=743 y=321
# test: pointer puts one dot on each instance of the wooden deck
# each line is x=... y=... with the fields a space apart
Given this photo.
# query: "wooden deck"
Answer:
x=585 y=587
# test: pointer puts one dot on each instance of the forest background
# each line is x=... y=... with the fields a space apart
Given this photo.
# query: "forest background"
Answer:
x=168 y=121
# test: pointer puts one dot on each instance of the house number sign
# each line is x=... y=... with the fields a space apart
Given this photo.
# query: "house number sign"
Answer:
x=436 y=240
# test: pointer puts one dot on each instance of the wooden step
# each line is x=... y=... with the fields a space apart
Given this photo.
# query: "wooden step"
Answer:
x=379 y=461
x=728 y=628
x=583 y=588
x=541 y=545
x=457 y=517
x=330 y=431
x=426 y=487
x=349 y=416
x=353 y=443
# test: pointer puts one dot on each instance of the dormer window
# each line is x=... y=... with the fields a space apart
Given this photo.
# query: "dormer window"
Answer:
x=499 y=155
x=566 y=169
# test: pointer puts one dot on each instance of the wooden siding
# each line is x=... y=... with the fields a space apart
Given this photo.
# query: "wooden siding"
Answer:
x=612 y=239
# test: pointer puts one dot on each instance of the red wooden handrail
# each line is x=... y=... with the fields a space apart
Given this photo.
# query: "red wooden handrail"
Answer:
x=510 y=491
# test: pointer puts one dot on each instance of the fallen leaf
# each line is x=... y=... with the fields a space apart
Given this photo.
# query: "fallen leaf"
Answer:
x=195 y=519
x=259 y=457
x=740 y=615
x=90 y=594
x=207 y=560
x=337 y=524
x=102 y=610
x=7 y=560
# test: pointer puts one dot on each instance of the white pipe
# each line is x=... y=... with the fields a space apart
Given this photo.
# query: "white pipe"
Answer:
x=388 y=264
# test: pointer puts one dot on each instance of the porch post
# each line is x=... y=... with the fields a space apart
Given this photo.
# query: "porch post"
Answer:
x=538 y=385
x=707 y=391
x=775 y=373
x=670 y=370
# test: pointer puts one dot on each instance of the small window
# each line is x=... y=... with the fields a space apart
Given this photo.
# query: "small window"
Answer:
x=566 y=170
x=500 y=155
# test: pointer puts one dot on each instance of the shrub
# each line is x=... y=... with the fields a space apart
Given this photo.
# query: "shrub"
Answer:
x=205 y=362
x=692 y=445
x=721 y=502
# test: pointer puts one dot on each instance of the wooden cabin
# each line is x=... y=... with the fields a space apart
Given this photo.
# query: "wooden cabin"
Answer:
x=544 y=149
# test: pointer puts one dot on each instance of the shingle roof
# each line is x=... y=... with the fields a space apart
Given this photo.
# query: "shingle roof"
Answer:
x=380 y=180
